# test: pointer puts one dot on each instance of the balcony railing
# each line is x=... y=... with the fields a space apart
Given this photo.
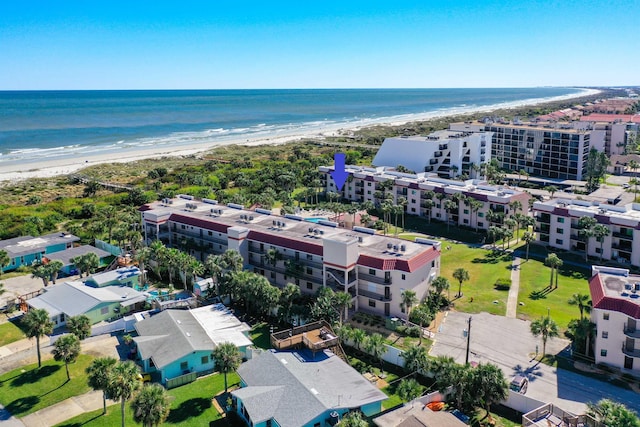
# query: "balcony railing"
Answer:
x=374 y=295
x=622 y=235
x=630 y=351
x=631 y=332
x=623 y=248
x=375 y=279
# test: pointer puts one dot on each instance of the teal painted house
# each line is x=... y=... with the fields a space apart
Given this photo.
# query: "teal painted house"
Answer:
x=177 y=343
x=25 y=250
x=73 y=298
x=123 y=276
x=298 y=389
x=66 y=256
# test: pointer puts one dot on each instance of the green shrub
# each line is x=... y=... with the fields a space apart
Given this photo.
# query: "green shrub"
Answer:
x=502 y=284
x=414 y=331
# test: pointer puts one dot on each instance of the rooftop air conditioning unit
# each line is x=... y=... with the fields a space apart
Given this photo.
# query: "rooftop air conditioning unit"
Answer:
x=389 y=245
x=403 y=248
x=274 y=222
x=395 y=248
x=360 y=239
x=321 y=232
x=310 y=229
x=250 y=217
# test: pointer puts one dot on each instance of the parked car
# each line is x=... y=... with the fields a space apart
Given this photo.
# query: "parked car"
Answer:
x=519 y=384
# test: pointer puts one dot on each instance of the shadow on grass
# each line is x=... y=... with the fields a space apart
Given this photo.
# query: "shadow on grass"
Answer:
x=187 y=409
x=34 y=375
x=54 y=389
x=81 y=424
x=22 y=405
x=541 y=294
x=493 y=257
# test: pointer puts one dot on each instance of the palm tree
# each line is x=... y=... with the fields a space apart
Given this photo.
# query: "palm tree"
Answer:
x=613 y=414
x=461 y=275
x=475 y=206
x=375 y=346
x=55 y=267
x=408 y=299
x=586 y=225
x=546 y=328
x=358 y=336
x=489 y=384
x=36 y=323
x=440 y=284
x=600 y=231
x=449 y=207
x=227 y=359
x=428 y=205
x=581 y=332
x=422 y=316
x=289 y=294
x=151 y=405
x=528 y=237
x=67 y=350
x=353 y=419
x=80 y=326
x=582 y=301
x=343 y=303
x=42 y=272
x=415 y=359
x=143 y=256
x=4 y=260
x=633 y=165
x=272 y=256
x=510 y=223
x=233 y=260
x=98 y=376
x=553 y=262
x=409 y=389
x=122 y=383
x=551 y=189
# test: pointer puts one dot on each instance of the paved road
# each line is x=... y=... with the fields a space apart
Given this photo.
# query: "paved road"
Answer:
x=509 y=344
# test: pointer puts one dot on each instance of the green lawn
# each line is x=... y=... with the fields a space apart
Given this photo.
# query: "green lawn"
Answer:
x=9 y=333
x=534 y=278
x=190 y=406
x=484 y=267
x=28 y=389
x=260 y=334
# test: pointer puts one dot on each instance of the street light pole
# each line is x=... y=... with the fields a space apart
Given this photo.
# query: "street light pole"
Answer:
x=466 y=360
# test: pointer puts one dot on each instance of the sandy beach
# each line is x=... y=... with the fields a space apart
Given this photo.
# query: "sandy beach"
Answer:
x=67 y=165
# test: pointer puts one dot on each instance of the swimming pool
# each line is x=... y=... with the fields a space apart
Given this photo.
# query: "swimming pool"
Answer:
x=315 y=219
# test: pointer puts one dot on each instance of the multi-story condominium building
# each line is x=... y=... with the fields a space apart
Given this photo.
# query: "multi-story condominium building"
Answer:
x=425 y=194
x=374 y=269
x=616 y=313
x=557 y=226
x=554 y=151
x=613 y=130
x=446 y=153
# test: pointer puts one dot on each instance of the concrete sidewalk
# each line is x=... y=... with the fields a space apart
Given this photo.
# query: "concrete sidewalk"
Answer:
x=65 y=410
x=512 y=299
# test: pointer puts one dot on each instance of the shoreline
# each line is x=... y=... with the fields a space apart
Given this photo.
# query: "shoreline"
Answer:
x=67 y=165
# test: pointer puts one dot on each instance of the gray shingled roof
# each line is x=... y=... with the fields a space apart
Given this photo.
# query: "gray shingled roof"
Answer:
x=170 y=335
x=293 y=389
x=66 y=255
x=24 y=245
x=119 y=275
x=74 y=298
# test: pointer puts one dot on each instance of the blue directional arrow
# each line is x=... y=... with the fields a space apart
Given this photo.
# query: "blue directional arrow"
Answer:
x=339 y=175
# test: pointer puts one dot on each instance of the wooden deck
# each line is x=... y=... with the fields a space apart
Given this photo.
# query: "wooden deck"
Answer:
x=314 y=336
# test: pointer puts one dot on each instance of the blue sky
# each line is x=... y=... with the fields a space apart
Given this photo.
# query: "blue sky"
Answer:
x=307 y=44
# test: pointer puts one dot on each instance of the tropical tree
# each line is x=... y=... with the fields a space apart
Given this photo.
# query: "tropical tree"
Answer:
x=54 y=267
x=582 y=301
x=440 y=284
x=551 y=189
x=613 y=414
x=375 y=346
x=80 y=326
x=359 y=337
x=151 y=405
x=98 y=376
x=42 y=272
x=489 y=385
x=66 y=349
x=475 y=206
x=227 y=359
x=289 y=294
x=581 y=332
x=633 y=165
x=123 y=381
x=343 y=302
x=353 y=419
x=36 y=324
x=409 y=389
x=273 y=256
x=546 y=328
x=553 y=262
x=449 y=206
x=461 y=275
x=600 y=231
x=416 y=359
x=586 y=226
x=528 y=237
x=421 y=316
x=143 y=256
x=4 y=260
x=408 y=299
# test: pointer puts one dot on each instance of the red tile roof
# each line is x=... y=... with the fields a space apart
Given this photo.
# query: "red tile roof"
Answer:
x=311 y=246
x=604 y=302
x=197 y=222
x=635 y=118
x=409 y=265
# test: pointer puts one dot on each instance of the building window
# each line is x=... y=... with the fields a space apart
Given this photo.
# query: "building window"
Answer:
x=372 y=272
x=309 y=270
x=309 y=257
x=368 y=184
x=466 y=211
x=404 y=276
x=480 y=214
x=561 y=220
x=273 y=275
x=372 y=303
x=104 y=310
x=183 y=226
x=465 y=221
x=413 y=209
x=210 y=233
x=184 y=366
x=605 y=316
x=480 y=224
x=309 y=285
x=559 y=231
x=605 y=334
x=603 y=353
x=558 y=241
x=204 y=360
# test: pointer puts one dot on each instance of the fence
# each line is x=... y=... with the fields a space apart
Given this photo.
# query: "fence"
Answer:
x=112 y=249
x=126 y=324
x=181 y=380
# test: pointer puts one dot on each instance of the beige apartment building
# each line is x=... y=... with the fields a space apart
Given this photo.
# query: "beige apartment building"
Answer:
x=367 y=184
x=616 y=313
x=374 y=269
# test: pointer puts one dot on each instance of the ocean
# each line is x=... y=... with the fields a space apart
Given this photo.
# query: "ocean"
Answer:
x=47 y=125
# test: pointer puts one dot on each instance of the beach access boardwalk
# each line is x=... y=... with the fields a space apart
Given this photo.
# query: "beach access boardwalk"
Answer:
x=84 y=179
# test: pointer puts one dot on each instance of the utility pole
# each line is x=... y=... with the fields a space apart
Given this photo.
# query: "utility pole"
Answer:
x=466 y=360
